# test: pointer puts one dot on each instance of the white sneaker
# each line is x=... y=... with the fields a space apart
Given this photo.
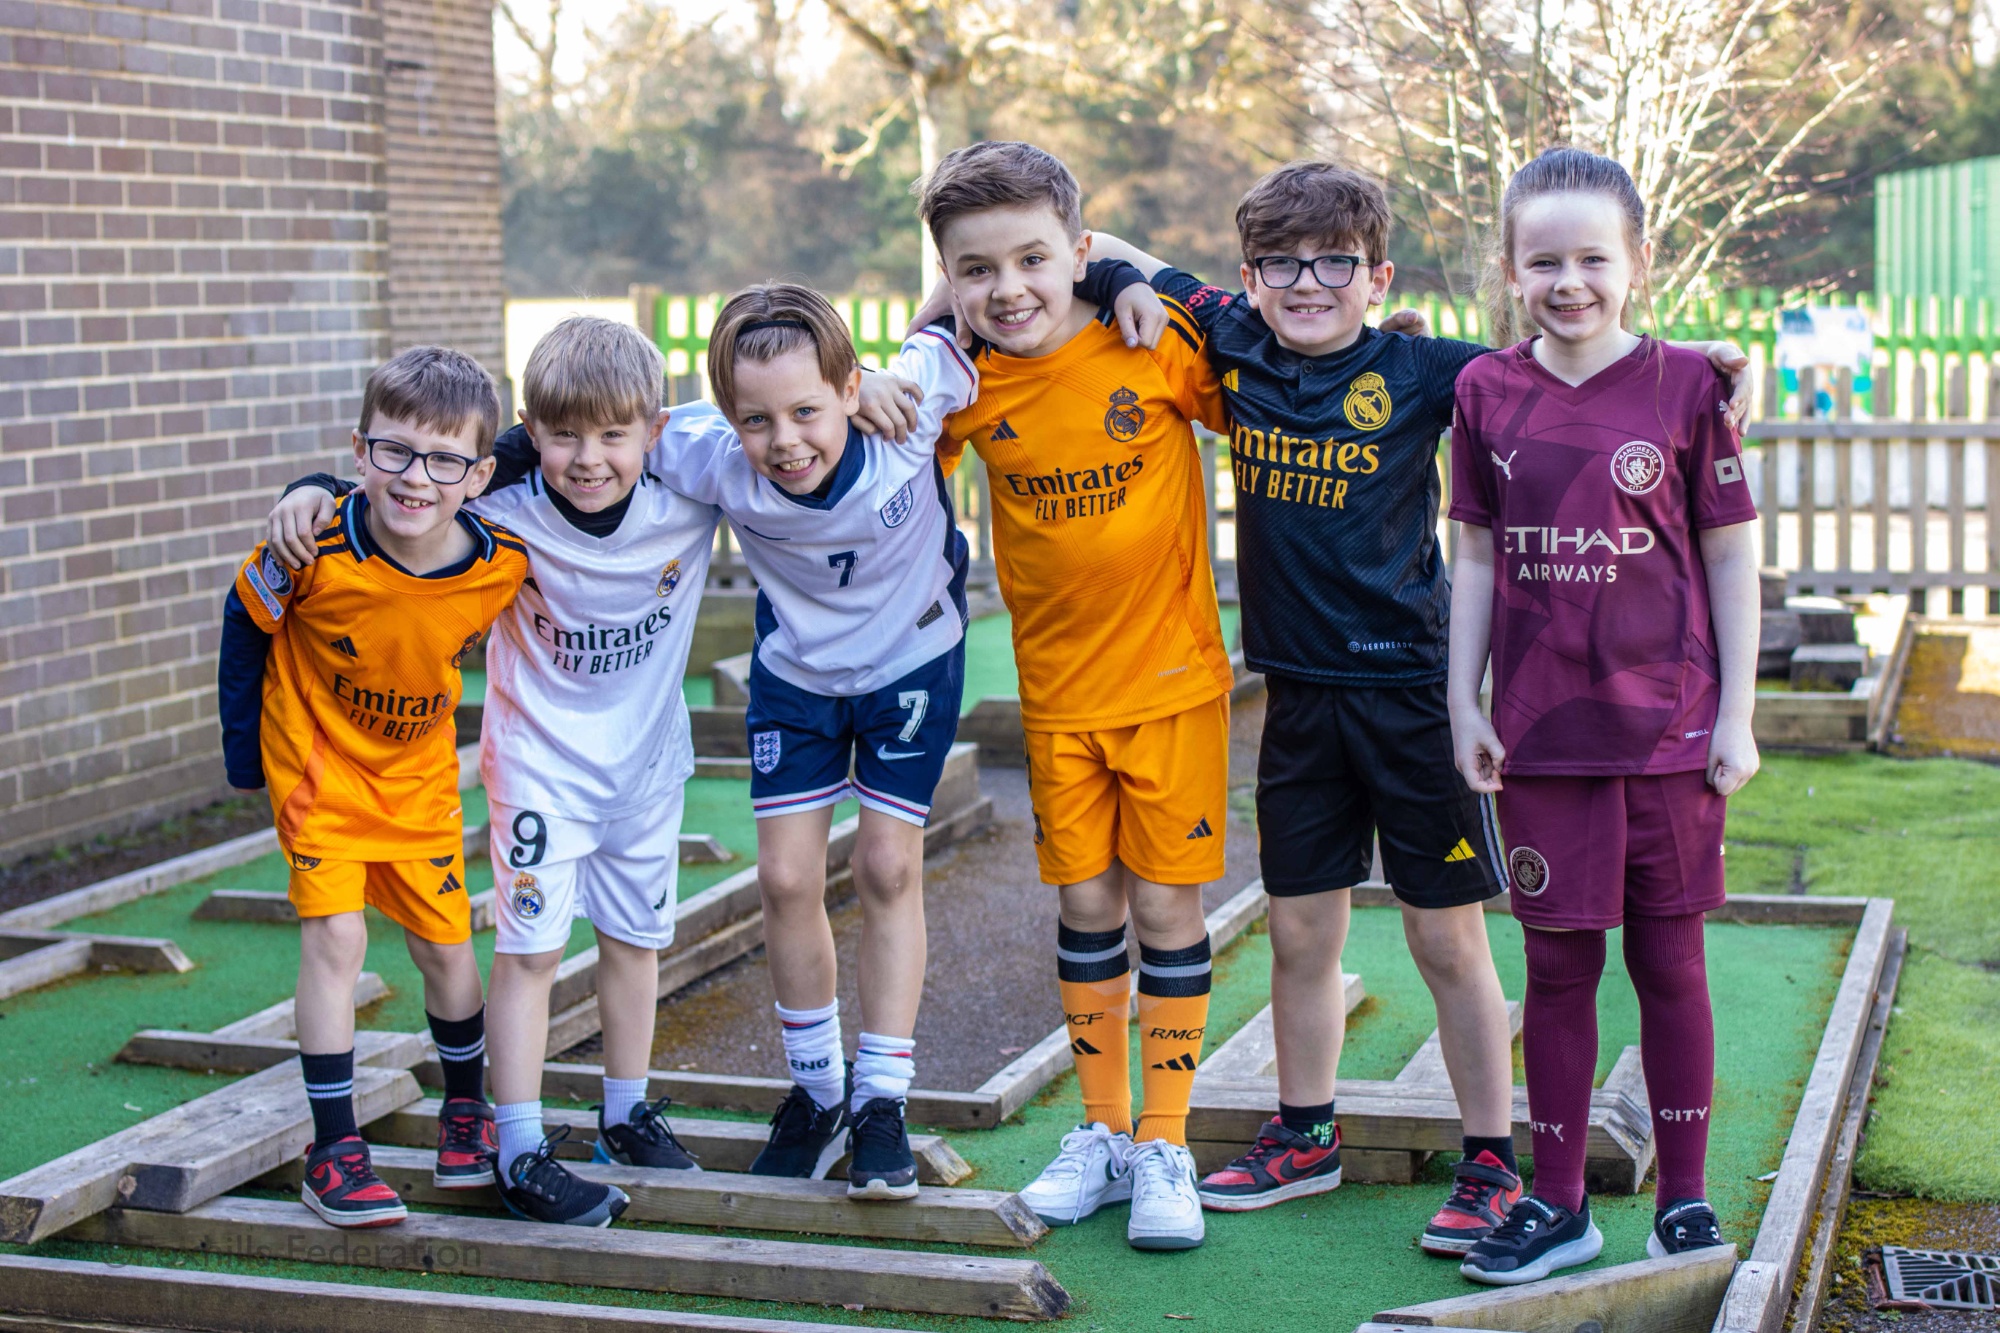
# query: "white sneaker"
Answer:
x=1166 y=1209
x=1088 y=1173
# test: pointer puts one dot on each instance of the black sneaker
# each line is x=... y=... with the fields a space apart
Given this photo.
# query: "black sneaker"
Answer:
x=805 y=1141
x=1537 y=1239
x=1679 y=1227
x=643 y=1138
x=882 y=1166
x=538 y=1188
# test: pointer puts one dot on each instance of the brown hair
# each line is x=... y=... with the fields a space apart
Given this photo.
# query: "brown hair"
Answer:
x=437 y=388
x=588 y=371
x=1559 y=170
x=1311 y=201
x=763 y=323
x=998 y=174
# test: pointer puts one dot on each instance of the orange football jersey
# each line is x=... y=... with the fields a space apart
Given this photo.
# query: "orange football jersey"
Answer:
x=1100 y=523
x=360 y=686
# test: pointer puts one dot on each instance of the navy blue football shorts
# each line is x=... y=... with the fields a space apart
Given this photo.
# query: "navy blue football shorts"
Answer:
x=886 y=747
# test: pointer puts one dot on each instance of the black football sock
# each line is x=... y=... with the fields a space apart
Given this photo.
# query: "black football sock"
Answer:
x=1314 y=1122
x=330 y=1093
x=1501 y=1147
x=461 y=1048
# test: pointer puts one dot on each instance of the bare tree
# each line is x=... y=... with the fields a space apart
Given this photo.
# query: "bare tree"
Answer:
x=1713 y=105
x=542 y=86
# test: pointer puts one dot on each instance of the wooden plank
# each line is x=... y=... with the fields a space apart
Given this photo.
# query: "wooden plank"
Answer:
x=719 y=1145
x=733 y=1092
x=1832 y=1204
x=278 y=1020
x=215 y=1054
x=130 y=1295
x=1679 y=1294
x=1621 y=1175
x=703 y=849
x=748 y=1203
x=1759 y=1297
x=272 y=908
x=132 y=953
x=1781 y=1234
x=39 y=967
x=1252 y=1050
x=621 y=1259
x=1372 y=1327
x=679 y=968
x=169 y=1156
x=141 y=883
x=1426 y=1068
x=1916 y=431
x=1781 y=909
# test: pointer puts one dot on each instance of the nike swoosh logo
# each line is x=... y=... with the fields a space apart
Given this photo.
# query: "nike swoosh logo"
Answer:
x=884 y=752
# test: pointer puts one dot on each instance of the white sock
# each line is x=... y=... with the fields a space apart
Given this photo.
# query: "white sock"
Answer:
x=813 y=1052
x=520 y=1126
x=883 y=1067
x=620 y=1096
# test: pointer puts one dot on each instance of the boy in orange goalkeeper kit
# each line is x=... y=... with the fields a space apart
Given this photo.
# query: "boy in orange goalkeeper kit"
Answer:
x=338 y=682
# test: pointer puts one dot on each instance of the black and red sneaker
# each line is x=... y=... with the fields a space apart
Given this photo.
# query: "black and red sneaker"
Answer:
x=1283 y=1164
x=342 y=1187
x=1483 y=1192
x=467 y=1145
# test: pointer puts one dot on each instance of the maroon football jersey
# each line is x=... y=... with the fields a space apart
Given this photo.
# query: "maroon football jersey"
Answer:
x=1604 y=656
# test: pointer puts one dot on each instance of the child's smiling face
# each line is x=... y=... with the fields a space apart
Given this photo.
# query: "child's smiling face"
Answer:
x=792 y=423
x=593 y=466
x=1014 y=271
x=1572 y=265
x=411 y=506
x=1309 y=317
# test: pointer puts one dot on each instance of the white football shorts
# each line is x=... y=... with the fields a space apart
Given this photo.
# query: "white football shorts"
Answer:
x=623 y=875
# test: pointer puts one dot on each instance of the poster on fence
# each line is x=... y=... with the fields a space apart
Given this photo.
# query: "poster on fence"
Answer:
x=1826 y=338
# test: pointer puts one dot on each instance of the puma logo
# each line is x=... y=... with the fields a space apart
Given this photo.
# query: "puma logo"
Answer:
x=1506 y=465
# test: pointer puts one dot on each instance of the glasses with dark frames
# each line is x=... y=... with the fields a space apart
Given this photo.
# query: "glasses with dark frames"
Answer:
x=1331 y=271
x=441 y=466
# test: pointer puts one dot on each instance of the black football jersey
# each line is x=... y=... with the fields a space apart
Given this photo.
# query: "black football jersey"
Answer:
x=1335 y=460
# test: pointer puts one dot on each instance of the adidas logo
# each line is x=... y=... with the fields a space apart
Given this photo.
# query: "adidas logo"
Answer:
x=1183 y=1063
x=1201 y=830
x=1078 y=1046
x=450 y=885
x=344 y=644
x=1229 y=381
x=1462 y=852
x=1003 y=431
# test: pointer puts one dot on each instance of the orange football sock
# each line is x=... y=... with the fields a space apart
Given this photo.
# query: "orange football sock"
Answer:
x=1173 y=1016
x=1096 y=983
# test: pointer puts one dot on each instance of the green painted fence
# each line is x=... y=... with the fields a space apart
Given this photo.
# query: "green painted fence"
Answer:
x=1937 y=230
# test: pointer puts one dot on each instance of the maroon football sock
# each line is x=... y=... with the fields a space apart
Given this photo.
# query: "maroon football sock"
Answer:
x=1676 y=1043
x=1559 y=1049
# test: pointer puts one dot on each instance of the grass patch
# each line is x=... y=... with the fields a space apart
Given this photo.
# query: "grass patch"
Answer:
x=1926 y=833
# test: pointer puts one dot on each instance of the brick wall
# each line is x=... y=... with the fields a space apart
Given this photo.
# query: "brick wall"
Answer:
x=198 y=269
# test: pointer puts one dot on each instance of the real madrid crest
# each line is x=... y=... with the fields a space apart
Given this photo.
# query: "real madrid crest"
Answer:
x=1125 y=417
x=526 y=897
x=670 y=578
x=1367 y=404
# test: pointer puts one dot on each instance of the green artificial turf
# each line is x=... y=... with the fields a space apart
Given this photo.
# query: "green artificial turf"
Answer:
x=1926 y=833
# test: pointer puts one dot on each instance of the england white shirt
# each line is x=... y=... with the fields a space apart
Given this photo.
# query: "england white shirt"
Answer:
x=858 y=589
x=584 y=714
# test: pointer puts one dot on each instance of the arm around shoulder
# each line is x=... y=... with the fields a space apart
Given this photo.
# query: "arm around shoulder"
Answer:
x=240 y=694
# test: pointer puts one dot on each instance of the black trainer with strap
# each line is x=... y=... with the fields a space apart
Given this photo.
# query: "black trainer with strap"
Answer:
x=1679 y=1227
x=538 y=1188
x=1483 y=1192
x=643 y=1138
x=805 y=1140
x=883 y=1166
x=1537 y=1238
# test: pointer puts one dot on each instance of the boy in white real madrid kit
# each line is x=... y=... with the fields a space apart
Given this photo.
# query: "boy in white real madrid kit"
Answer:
x=585 y=747
x=858 y=669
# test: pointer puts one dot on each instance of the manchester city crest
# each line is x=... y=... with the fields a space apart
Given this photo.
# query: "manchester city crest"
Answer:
x=1528 y=870
x=1638 y=466
x=670 y=578
x=765 y=747
x=526 y=897
x=1124 y=418
x=899 y=506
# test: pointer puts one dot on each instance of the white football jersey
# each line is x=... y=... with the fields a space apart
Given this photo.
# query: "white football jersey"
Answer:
x=584 y=714
x=860 y=588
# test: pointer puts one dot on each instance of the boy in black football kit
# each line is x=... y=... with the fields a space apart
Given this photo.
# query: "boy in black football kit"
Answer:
x=1345 y=597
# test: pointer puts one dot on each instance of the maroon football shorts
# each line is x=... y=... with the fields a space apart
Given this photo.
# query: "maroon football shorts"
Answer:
x=1583 y=853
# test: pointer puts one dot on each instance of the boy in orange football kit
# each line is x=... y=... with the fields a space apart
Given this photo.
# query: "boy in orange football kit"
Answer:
x=1101 y=539
x=338 y=682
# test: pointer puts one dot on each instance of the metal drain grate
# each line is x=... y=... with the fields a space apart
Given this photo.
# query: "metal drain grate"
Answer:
x=1945 y=1279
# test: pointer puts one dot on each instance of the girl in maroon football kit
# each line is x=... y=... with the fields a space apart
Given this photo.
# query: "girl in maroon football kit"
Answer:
x=1606 y=565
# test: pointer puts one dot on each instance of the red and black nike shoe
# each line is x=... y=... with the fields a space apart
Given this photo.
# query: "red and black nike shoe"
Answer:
x=468 y=1145
x=342 y=1187
x=1482 y=1194
x=1283 y=1164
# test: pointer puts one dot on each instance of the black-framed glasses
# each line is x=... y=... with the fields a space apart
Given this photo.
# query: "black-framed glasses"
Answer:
x=1331 y=271
x=441 y=466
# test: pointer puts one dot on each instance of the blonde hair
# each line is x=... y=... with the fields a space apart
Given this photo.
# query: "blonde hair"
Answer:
x=588 y=371
x=1559 y=170
x=763 y=323
x=437 y=388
